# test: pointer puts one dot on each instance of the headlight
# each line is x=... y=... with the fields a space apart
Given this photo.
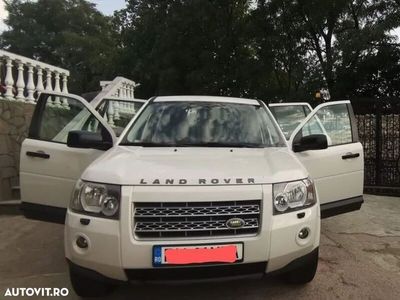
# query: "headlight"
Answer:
x=96 y=199
x=294 y=195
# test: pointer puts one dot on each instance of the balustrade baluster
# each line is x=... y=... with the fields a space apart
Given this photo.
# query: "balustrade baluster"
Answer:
x=39 y=84
x=30 y=86
x=57 y=89
x=116 y=109
x=132 y=92
x=65 y=84
x=20 y=82
x=128 y=86
x=49 y=85
x=9 y=80
x=127 y=91
x=65 y=90
x=123 y=91
x=110 y=114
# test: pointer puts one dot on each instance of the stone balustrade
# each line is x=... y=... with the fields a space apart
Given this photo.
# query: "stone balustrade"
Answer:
x=120 y=88
x=23 y=79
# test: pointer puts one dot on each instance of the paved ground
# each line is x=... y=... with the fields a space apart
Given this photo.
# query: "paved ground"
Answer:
x=359 y=259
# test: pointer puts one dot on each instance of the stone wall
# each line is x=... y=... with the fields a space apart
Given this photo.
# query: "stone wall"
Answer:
x=15 y=118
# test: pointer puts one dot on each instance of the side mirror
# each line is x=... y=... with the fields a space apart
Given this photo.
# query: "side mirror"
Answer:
x=311 y=142
x=85 y=140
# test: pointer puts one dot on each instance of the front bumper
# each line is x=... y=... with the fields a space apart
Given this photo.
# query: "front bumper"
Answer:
x=114 y=252
x=199 y=273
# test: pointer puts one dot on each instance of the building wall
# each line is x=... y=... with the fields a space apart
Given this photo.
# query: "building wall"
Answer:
x=15 y=118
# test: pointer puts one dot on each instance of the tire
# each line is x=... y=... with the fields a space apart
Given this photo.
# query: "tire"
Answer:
x=88 y=287
x=304 y=273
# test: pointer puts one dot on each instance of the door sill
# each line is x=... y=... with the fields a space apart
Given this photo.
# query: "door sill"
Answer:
x=341 y=207
x=44 y=212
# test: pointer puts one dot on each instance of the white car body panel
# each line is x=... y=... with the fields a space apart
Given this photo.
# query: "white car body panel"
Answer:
x=217 y=166
x=50 y=181
x=334 y=171
x=142 y=173
x=275 y=243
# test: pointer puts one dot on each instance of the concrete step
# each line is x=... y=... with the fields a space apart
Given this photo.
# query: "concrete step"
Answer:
x=10 y=208
x=16 y=192
x=10 y=202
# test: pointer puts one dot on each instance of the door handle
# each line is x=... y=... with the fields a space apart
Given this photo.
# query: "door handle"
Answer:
x=350 y=155
x=39 y=154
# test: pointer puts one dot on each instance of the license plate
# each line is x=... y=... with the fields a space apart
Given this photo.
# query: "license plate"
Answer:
x=197 y=254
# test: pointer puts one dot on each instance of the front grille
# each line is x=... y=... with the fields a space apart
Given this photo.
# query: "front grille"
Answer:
x=194 y=219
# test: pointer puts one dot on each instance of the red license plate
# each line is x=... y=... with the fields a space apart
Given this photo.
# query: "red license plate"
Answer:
x=183 y=255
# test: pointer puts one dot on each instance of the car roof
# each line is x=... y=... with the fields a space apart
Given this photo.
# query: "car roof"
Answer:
x=206 y=99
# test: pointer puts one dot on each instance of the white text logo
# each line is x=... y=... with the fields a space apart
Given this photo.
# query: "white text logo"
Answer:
x=38 y=292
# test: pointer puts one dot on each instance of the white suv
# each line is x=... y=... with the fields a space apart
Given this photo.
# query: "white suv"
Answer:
x=195 y=187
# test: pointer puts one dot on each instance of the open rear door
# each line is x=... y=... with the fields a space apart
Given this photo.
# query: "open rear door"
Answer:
x=49 y=169
x=338 y=171
x=289 y=115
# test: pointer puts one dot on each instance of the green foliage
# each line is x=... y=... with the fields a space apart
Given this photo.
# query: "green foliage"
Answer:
x=266 y=49
x=187 y=47
x=345 y=34
x=274 y=49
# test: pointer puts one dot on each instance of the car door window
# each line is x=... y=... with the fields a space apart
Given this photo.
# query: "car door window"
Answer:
x=289 y=117
x=333 y=121
x=118 y=113
x=56 y=121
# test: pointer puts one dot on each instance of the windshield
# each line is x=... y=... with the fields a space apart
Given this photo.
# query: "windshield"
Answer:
x=205 y=124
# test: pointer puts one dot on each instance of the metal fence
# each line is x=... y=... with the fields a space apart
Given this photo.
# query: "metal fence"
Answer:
x=379 y=131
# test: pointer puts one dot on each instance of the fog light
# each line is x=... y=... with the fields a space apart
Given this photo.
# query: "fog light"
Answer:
x=81 y=242
x=304 y=233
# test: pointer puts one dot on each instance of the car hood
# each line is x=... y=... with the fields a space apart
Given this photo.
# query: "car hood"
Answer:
x=194 y=166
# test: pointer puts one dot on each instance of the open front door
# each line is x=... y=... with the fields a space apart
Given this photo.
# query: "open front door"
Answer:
x=338 y=170
x=49 y=168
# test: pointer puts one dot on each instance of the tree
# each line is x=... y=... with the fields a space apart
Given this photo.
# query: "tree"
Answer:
x=71 y=34
x=368 y=52
x=266 y=49
x=279 y=43
x=342 y=32
x=187 y=47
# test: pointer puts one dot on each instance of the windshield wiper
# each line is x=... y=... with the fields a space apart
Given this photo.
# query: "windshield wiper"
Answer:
x=184 y=144
x=148 y=144
x=221 y=145
x=211 y=145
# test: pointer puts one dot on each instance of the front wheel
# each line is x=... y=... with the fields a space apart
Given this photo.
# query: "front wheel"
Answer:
x=306 y=272
x=88 y=287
